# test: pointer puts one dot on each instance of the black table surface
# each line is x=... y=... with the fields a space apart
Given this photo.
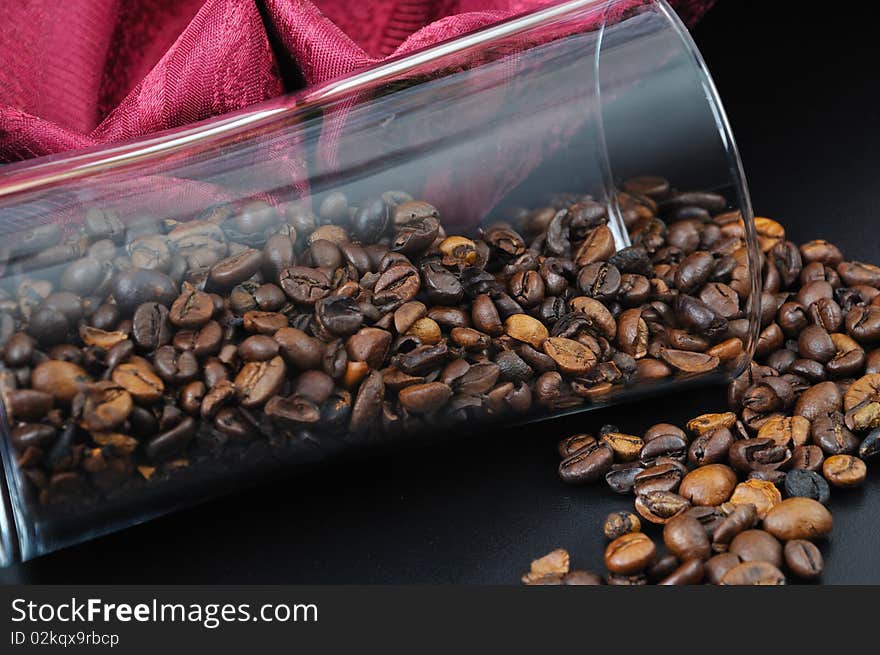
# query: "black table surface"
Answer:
x=799 y=91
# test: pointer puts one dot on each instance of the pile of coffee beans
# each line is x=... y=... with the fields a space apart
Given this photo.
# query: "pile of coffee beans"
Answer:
x=134 y=349
x=741 y=495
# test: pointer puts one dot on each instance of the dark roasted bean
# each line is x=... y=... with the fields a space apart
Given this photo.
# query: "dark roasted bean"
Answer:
x=806 y=484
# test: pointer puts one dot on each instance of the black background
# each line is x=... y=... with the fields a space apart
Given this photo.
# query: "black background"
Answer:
x=799 y=87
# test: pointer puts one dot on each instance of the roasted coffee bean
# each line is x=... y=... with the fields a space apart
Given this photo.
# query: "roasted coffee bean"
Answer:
x=693 y=271
x=259 y=380
x=529 y=330
x=716 y=567
x=695 y=315
x=662 y=568
x=669 y=445
x=150 y=328
x=803 y=559
x=630 y=553
x=691 y=572
x=830 y=433
x=806 y=484
x=171 y=442
x=753 y=573
x=28 y=404
x=663 y=429
x=599 y=280
x=62 y=380
x=192 y=308
x=710 y=448
x=621 y=478
x=235 y=269
x=755 y=454
x=264 y=322
x=757 y=546
x=863 y=324
x=660 y=477
x=368 y=402
x=299 y=349
x=870 y=447
x=137 y=286
x=575 y=442
x=844 y=471
x=760 y=493
x=140 y=380
x=798 y=518
x=258 y=348
x=304 y=285
x=339 y=315
x=808 y=457
x=660 y=506
x=572 y=357
x=617 y=524
x=425 y=398
x=743 y=517
x=708 y=485
x=815 y=343
x=397 y=285
x=588 y=464
x=686 y=538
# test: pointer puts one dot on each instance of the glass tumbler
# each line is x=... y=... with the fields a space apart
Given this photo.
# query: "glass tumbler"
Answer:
x=544 y=216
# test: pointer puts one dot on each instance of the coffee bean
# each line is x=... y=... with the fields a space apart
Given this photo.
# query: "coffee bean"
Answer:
x=756 y=454
x=710 y=448
x=659 y=477
x=844 y=471
x=529 y=330
x=150 y=327
x=741 y=518
x=339 y=315
x=397 y=285
x=425 y=398
x=808 y=457
x=171 y=442
x=137 y=286
x=686 y=538
x=691 y=572
x=61 y=380
x=803 y=559
x=259 y=380
x=708 y=485
x=761 y=494
x=716 y=567
x=871 y=445
x=798 y=518
x=304 y=285
x=660 y=506
x=368 y=401
x=192 y=308
x=666 y=445
x=757 y=546
x=575 y=442
x=806 y=484
x=588 y=464
x=621 y=478
x=630 y=553
x=235 y=269
x=264 y=322
x=139 y=379
x=753 y=573
x=618 y=524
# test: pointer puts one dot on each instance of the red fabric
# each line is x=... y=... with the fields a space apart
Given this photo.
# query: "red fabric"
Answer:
x=85 y=72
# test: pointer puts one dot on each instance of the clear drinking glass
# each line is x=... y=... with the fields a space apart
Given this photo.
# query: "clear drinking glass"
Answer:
x=548 y=145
